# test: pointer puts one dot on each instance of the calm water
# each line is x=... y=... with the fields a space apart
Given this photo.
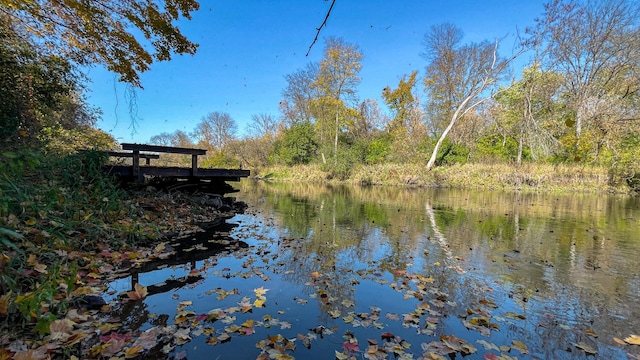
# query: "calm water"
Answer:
x=311 y=270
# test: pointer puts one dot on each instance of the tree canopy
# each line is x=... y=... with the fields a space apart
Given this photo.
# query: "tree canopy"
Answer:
x=113 y=33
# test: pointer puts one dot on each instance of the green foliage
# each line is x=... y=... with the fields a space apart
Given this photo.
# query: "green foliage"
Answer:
x=401 y=100
x=60 y=141
x=39 y=92
x=298 y=144
x=50 y=204
x=452 y=153
x=624 y=164
x=221 y=160
x=378 y=149
x=493 y=147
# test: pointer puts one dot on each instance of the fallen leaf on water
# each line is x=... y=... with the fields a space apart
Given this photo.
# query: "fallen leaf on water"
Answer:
x=619 y=341
x=261 y=291
x=139 y=292
x=487 y=345
x=586 y=347
x=633 y=339
x=520 y=346
x=259 y=302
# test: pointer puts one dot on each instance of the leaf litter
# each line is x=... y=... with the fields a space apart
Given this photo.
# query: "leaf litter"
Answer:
x=254 y=314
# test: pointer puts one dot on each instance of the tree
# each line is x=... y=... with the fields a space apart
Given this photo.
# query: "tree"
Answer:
x=298 y=144
x=335 y=84
x=298 y=95
x=102 y=32
x=215 y=130
x=401 y=101
x=263 y=126
x=39 y=92
x=458 y=76
x=178 y=139
x=406 y=127
x=595 y=45
x=527 y=109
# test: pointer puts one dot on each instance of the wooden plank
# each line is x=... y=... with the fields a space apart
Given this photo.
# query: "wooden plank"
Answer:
x=163 y=149
x=145 y=156
x=194 y=165
x=178 y=172
x=130 y=155
x=136 y=166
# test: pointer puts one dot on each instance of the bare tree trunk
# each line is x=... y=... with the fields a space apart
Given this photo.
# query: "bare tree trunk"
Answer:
x=335 y=143
x=456 y=115
x=520 y=141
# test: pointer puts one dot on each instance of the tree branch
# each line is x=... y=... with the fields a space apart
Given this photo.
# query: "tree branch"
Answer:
x=324 y=23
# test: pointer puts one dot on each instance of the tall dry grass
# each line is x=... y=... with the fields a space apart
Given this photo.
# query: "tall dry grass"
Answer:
x=533 y=177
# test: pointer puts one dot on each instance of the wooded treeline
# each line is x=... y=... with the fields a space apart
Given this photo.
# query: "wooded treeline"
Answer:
x=575 y=101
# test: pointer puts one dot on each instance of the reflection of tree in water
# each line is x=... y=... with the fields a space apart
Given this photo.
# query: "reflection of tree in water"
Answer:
x=133 y=315
x=573 y=256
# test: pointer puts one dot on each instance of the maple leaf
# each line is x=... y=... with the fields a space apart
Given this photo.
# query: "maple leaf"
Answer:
x=61 y=329
x=259 y=302
x=139 y=292
x=261 y=291
x=113 y=346
x=148 y=339
x=350 y=347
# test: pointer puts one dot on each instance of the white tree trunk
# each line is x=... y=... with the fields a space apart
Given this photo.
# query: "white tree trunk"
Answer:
x=456 y=115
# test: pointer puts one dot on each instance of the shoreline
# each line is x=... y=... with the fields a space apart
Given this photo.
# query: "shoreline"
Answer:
x=525 y=178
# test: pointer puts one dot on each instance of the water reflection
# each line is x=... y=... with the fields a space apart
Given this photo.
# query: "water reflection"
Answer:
x=492 y=268
x=568 y=262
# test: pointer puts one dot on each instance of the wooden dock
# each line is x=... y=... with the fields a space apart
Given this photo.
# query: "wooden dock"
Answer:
x=137 y=172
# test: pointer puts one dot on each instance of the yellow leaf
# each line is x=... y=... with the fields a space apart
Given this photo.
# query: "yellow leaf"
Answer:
x=259 y=302
x=633 y=339
x=5 y=300
x=32 y=260
x=132 y=351
x=30 y=222
x=261 y=291
x=520 y=346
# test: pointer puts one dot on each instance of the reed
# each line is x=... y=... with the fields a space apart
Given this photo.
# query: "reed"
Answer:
x=527 y=177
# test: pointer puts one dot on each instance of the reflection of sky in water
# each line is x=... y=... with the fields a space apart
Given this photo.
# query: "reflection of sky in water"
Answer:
x=527 y=264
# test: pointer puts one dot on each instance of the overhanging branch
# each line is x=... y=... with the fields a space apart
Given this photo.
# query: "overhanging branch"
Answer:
x=324 y=23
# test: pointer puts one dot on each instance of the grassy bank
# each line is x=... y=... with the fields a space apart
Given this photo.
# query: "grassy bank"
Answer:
x=528 y=177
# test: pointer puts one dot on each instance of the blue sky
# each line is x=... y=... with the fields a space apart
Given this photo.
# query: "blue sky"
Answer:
x=248 y=46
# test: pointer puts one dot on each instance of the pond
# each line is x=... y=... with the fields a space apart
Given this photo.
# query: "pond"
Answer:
x=334 y=272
